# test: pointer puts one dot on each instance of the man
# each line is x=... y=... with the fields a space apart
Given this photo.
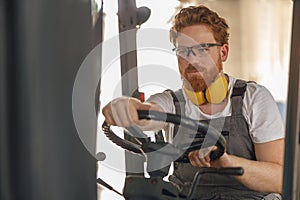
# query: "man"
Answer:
x=245 y=111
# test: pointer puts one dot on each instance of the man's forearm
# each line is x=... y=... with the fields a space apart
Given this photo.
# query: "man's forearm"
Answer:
x=258 y=175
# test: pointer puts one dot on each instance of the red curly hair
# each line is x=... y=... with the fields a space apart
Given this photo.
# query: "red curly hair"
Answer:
x=195 y=15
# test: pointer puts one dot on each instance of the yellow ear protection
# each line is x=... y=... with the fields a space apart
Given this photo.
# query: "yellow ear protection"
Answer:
x=214 y=94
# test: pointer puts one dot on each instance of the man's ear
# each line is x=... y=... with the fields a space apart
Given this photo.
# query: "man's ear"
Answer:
x=224 y=52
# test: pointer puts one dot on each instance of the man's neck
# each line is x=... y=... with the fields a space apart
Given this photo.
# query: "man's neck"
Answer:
x=210 y=109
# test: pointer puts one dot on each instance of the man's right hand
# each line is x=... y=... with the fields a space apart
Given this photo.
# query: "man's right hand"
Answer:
x=122 y=112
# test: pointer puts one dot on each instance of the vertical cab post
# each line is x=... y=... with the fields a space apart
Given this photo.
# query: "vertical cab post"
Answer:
x=130 y=18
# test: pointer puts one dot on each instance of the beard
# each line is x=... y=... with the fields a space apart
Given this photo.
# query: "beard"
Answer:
x=199 y=78
x=194 y=82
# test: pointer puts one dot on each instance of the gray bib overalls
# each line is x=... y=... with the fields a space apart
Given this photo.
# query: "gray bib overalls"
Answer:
x=235 y=129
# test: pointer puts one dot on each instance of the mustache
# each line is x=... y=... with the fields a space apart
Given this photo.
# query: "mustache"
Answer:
x=192 y=68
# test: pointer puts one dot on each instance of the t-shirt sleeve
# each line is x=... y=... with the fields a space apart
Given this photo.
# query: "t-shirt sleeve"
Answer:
x=262 y=115
x=164 y=100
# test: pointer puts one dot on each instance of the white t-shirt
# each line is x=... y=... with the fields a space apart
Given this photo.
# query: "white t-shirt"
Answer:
x=259 y=109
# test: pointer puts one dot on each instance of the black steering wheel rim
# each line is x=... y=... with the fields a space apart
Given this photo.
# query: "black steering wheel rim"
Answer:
x=134 y=139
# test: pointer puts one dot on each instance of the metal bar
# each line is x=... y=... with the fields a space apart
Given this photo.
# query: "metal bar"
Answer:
x=127 y=13
x=290 y=188
x=45 y=45
x=97 y=39
x=130 y=17
x=127 y=28
x=6 y=186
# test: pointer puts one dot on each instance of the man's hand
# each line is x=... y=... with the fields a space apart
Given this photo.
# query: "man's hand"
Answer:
x=201 y=158
x=122 y=112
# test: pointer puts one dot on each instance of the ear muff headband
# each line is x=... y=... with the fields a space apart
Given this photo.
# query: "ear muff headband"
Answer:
x=214 y=94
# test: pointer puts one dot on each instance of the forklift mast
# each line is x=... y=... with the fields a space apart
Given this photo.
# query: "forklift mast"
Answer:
x=130 y=18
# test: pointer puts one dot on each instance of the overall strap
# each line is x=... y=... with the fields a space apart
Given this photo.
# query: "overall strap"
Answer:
x=237 y=96
x=179 y=103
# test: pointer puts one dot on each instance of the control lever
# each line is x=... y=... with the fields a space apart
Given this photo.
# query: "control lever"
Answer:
x=101 y=182
x=233 y=171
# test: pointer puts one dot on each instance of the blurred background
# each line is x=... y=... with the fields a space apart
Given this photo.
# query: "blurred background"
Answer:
x=260 y=37
x=44 y=46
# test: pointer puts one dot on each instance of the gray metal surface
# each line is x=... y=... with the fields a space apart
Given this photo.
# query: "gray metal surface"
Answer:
x=42 y=156
x=129 y=18
x=291 y=157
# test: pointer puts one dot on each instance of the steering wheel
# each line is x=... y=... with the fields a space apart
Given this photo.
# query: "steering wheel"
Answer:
x=136 y=141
